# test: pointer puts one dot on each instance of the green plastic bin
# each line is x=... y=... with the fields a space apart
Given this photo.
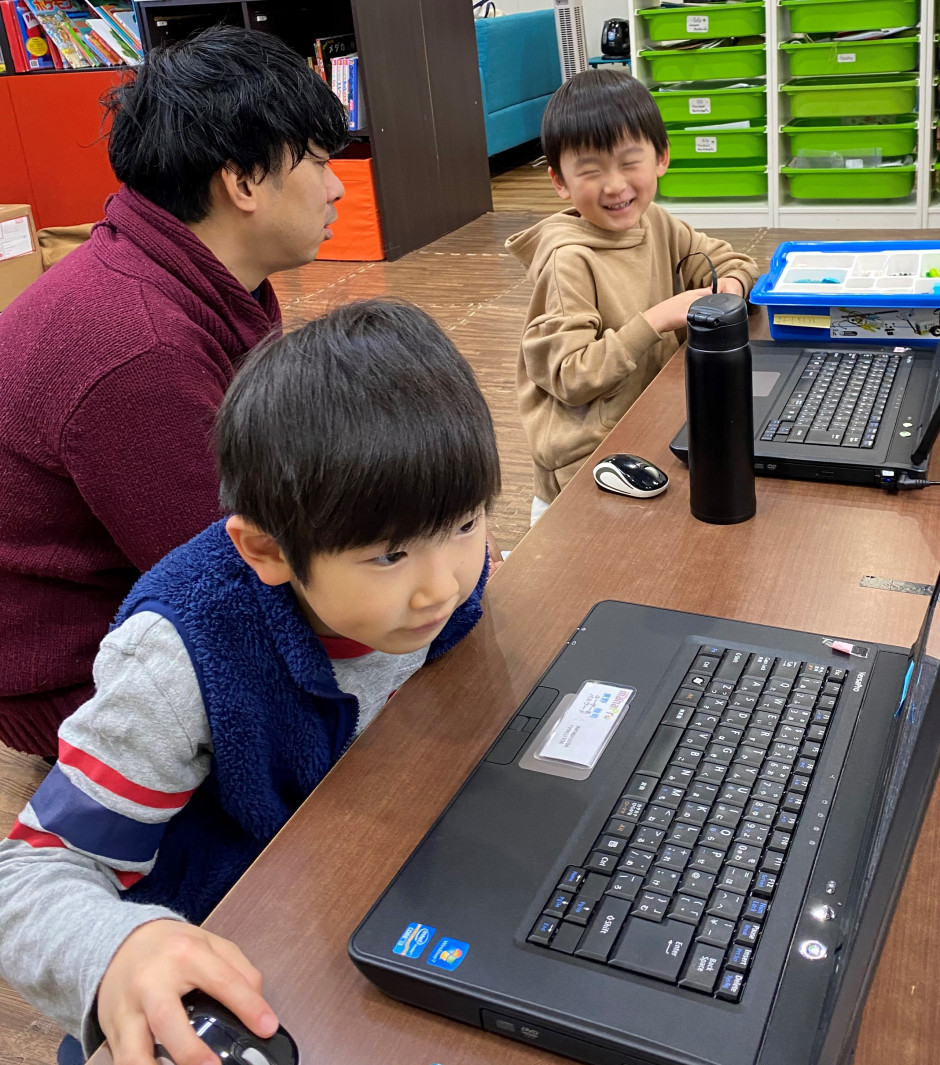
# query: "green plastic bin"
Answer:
x=696 y=181
x=874 y=183
x=894 y=136
x=881 y=94
x=716 y=20
x=719 y=145
x=840 y=16
x=852 y=57
x=700 y=64
x=711 y=102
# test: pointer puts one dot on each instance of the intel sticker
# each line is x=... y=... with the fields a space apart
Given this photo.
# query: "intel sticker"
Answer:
x=448 y=954
x=413 y=940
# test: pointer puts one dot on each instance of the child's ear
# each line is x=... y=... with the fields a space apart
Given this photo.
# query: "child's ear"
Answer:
x=259 y=550
x=662 y=163
x=560 y=187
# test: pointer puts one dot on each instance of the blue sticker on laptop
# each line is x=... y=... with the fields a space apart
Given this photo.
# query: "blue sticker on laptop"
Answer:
x=413 y=940
x=448 y=954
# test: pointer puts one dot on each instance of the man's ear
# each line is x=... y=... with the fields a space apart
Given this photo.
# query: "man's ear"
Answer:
x=238 y=188
x=560 y=187
x=259 y=550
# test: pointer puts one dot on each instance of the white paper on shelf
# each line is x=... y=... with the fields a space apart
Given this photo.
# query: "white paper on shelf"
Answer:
x=15 y=237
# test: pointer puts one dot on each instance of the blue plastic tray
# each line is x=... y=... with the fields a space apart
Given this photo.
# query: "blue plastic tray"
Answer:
x=817 y=286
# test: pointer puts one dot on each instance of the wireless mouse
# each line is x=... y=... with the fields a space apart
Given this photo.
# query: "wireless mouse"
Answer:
x=629 y=475
x=227 y=1036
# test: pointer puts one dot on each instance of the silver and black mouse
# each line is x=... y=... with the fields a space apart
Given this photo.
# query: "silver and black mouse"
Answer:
x=229 y=1038
x=629 y=475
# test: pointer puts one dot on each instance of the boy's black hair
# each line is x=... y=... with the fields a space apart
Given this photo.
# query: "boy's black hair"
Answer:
x=597 y=109
x=365 y=426
x=224 y=97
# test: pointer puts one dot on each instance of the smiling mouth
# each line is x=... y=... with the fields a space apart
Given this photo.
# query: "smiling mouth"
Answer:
x=622 y=206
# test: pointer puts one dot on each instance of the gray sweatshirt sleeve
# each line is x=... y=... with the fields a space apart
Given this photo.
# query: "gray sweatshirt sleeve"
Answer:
x=128 y=761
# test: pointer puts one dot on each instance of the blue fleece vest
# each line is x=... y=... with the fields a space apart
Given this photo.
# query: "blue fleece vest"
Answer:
x=277 y=718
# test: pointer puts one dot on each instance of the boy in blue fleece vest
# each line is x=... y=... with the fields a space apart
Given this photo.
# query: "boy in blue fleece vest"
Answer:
x=357 y=460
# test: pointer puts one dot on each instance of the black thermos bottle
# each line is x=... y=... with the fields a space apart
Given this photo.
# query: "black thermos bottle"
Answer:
x=720 y=411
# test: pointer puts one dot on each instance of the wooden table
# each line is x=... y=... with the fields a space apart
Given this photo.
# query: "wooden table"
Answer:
x=798 y=563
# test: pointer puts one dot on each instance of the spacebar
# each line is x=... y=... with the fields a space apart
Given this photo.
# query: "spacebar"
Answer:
x=659 y=750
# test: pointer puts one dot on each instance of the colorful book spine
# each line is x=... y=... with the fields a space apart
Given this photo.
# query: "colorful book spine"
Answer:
x=99 y=46
x=34 y=41
x=354 y=109
x=10 y=24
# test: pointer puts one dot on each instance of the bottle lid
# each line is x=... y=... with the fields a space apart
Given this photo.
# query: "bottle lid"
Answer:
x=718 y=322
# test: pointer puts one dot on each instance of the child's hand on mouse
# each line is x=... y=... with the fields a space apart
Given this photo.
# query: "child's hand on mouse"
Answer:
x=671 y=314
x=139 y=996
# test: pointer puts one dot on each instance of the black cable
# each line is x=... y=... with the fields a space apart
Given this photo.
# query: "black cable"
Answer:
x=905 y=482
x=677 y=284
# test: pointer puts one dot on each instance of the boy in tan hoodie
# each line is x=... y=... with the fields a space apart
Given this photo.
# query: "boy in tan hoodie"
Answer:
x=603 y=316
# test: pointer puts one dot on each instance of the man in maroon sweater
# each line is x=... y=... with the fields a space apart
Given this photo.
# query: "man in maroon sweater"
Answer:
x=113 y=364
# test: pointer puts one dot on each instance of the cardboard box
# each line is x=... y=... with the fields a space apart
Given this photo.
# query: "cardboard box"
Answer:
x=20 y=258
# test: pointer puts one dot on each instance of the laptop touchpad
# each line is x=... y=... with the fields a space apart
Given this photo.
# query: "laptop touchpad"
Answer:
x=763 y=382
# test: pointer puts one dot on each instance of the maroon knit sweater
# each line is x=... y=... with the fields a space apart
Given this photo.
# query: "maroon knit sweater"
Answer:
x=112 y=366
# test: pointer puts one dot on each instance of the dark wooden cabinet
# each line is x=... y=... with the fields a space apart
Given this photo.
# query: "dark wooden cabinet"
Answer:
x=418 y=65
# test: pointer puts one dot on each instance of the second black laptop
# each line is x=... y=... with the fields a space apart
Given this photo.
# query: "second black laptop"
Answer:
x=855 y=415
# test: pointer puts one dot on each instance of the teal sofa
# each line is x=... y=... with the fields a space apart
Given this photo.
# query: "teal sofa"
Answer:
x=519 y=71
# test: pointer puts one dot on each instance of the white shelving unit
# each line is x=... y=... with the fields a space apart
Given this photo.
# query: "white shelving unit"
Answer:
x=921 y=210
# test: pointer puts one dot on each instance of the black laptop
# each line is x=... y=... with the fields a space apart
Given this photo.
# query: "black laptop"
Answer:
x=855 y=415
x=684 y=848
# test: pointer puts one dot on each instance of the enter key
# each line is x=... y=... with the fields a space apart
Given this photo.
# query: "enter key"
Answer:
x=653 y=949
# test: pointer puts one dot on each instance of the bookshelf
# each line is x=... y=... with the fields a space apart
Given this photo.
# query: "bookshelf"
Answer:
x=424 y=150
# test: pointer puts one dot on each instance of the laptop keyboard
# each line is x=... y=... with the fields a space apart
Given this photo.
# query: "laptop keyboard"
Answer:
x=683 y=874
x=838 y=400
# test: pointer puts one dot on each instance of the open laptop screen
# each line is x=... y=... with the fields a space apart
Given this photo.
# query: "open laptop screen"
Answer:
x=929 y=436
x=919 y=695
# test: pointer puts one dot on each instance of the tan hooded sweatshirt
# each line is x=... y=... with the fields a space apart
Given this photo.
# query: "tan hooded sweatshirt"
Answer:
x=587 y=351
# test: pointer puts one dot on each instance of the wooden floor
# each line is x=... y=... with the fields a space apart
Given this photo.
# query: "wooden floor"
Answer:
x=469 y=283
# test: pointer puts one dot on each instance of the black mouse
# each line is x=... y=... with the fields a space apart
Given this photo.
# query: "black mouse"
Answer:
x=629 y=475
x=227 y=1036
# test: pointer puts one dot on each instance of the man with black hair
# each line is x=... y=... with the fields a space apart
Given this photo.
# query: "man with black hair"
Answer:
x=357 y=460
x=114 y=363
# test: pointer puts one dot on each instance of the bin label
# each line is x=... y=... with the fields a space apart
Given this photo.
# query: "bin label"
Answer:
x=805 y=321
x=845 y=57
x=700 y=105
x=706 y=144
x=696 y=24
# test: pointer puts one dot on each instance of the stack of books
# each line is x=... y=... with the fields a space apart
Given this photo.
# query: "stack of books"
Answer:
x=70 y=34
x=337 y=63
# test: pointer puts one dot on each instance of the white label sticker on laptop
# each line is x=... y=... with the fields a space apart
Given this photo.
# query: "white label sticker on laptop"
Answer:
x=582 y=732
